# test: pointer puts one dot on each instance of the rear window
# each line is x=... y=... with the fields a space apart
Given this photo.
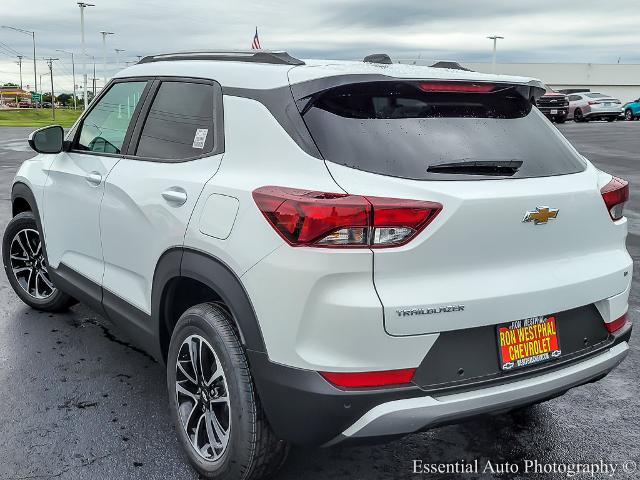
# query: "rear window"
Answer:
x=595 y=95
x=399 y=129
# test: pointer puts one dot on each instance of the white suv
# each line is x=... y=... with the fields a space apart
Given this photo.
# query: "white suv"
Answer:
x=325 y=251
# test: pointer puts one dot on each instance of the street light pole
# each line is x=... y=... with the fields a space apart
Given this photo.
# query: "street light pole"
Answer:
x=82 y=6
x=495 y=39
x=104 y=54
x=118 y=50
x=73 y=74
x=33 y=37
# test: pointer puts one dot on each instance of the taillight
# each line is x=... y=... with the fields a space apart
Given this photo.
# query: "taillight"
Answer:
x=615 y=194
x=456 y=87
x=321 y=219
x=369 y=379
x=593 y=103
x=617 y=324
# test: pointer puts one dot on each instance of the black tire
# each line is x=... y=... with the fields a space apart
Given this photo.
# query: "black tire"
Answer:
x=577 y=116
x=628 y=115
x=561 y=119
x=252 y=450
x=33 y=269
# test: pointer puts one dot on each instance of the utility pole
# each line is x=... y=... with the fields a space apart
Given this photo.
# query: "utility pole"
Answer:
x=495 y=39
x=82 y=6
x=20 y=57
x=33 y=38
x=73 y=73
x=53 y=95
x=104 y=54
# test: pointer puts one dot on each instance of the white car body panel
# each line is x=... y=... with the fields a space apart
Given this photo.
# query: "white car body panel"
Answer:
x=270 y=158
x=139 y=225
x=71 y=215
x=576 y=259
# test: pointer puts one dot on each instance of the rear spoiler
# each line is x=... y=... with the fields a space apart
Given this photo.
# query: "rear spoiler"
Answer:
x=305 y=92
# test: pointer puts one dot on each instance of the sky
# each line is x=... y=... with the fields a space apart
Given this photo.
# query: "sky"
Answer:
x=585 y=31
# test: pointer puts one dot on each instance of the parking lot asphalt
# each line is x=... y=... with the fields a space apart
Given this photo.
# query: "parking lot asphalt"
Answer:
x=78 y=401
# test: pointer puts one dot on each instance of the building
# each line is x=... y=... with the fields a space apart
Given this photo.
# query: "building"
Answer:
x=9 y=95
x=618 y=80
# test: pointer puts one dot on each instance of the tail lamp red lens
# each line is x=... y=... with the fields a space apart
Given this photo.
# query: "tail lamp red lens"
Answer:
x=456 y=87
x=617 y=324
x=321 y=219
x=369 y=379
x=615 y=194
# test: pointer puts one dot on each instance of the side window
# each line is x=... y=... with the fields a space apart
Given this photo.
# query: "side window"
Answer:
x=180 y=123
x=105 y=126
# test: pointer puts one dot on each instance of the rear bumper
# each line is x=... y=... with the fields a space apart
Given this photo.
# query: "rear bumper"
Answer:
x=304 y=409
x=614 y=112
x=410 y=415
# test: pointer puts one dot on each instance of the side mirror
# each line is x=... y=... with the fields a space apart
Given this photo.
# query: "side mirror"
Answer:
x=47 y=139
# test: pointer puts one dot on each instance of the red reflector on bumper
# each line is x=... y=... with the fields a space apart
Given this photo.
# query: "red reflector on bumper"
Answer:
x=369 y=379
x=616 y=324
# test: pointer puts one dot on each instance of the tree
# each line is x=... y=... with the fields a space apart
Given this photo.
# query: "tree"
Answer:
x=64 y=98
x=10 y=84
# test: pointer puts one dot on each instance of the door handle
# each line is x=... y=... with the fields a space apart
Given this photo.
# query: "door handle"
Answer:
x=94 y=178
x=175 y=196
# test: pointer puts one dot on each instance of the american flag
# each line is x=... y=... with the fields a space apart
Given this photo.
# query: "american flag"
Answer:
x=255 y=45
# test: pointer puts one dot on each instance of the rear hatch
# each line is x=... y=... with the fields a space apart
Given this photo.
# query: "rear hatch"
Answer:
x=492 y=161
x=599 y=101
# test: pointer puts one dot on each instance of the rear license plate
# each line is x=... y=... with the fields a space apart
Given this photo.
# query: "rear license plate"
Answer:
x=553 y=112
x=528 y=342
x=607 y=104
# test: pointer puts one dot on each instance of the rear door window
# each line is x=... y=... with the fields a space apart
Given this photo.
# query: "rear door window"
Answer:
x=180 y=123
x=403 y=129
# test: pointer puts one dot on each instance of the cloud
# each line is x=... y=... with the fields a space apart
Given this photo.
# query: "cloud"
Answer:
x=541 y=31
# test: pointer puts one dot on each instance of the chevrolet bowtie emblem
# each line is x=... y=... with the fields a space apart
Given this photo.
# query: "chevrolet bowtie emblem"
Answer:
x=540 y=215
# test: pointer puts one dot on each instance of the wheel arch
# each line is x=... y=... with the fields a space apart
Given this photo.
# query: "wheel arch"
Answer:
x=23 y=200
x=200 y=277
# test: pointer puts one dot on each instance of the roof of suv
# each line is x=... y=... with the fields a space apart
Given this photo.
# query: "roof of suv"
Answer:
x=243 y=73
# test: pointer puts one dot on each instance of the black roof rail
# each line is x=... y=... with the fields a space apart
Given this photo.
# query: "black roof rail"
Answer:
x=250 y=56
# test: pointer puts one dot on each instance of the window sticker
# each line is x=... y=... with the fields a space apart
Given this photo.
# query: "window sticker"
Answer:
x=200 y=138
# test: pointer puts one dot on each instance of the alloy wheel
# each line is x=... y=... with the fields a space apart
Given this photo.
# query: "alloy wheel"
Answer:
x=202 y=398
x=29 y=265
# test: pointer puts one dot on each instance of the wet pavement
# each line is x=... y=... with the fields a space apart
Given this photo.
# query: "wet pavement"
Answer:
x=78 y=401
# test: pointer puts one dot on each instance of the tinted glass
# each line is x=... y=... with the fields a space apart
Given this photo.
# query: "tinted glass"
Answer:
x=399 y=130
x=596 y=95
x=104 y=128
x=180 y=122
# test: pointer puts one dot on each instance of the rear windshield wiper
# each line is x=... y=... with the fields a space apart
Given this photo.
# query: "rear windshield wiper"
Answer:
x=501 y=168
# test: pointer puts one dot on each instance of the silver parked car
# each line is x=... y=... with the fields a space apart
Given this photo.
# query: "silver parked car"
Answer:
x=593 y=106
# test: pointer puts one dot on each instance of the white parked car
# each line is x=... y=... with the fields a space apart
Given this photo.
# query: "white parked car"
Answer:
x=324 y=251
x=587 y=106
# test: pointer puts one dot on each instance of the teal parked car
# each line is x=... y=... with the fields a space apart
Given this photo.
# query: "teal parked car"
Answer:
x=632 y=110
